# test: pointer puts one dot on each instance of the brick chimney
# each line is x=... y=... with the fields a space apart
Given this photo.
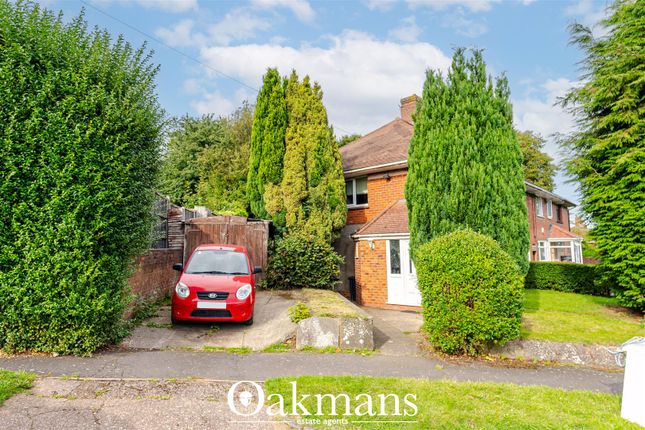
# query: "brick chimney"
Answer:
x=408 y=107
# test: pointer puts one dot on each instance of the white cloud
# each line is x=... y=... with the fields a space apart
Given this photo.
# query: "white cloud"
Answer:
x=542 y=114
x=463 y=25
x=472 y=5
x=173 y=6
x=301 y=8
x=238 y=24
x=380 y=5
x=363 y=78
x=215 y=103
x=408 y=31
x=589 y=13
x=181 y=34
x=539 y=112
x=192 y=86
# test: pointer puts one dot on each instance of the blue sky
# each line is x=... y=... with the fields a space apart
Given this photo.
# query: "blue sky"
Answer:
x=367 y=54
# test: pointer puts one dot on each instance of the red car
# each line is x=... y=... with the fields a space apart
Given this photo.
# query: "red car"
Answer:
x=216 y=285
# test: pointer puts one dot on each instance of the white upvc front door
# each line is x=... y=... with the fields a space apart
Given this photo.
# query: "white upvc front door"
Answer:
x=401 y=276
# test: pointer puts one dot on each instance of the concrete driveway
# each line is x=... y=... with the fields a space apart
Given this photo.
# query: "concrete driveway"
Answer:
x=396 y=332
x=271 y=325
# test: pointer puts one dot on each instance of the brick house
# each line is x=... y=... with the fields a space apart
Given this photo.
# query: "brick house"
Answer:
x=376 y=237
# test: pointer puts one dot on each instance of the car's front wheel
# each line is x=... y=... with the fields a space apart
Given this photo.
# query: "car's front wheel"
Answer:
x=249 y=321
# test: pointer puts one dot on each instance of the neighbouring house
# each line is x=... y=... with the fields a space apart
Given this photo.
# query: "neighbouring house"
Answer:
x=376 y=238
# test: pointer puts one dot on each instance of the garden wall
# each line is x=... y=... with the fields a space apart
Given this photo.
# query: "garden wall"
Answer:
x=154 y=276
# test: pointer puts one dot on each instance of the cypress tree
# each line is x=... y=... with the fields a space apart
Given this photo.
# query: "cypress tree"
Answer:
x=311 y=194
x=267 y=145
x=608 y=151
x=465 y=164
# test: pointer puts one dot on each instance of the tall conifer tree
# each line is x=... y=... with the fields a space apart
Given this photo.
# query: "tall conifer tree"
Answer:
x=312 y=190
x=608 y=151
x=465 y=164
x=267 y=144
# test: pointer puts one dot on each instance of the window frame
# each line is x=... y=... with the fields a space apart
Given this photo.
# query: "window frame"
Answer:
x=549 y=209
x=544 y=245
x=355 y=205
x=539 y=206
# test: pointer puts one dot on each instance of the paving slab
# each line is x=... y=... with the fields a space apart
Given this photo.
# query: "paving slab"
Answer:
x=396 y=332
x=127 y=404
x=271 y=325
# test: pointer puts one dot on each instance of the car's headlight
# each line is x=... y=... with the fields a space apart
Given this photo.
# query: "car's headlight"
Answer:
x=182 y=290
x=243 y=292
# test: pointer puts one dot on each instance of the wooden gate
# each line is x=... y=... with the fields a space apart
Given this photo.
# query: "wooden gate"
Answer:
x=230 y=230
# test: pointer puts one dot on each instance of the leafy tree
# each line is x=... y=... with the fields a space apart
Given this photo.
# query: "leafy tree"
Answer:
x=312 y=193
x=224 y=166
x=465 y=165
x=608 y=151
x=181 y=170
x=538 y=165
x=80 y=131
x=344 y=140
x=267 y=145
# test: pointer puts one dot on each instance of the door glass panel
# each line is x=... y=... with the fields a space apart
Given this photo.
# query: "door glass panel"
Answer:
x=395 y=257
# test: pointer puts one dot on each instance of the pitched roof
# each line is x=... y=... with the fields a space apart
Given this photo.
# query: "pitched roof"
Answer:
x=556 y=232
x=393 y=220
x=541 y=192
x=385 y=145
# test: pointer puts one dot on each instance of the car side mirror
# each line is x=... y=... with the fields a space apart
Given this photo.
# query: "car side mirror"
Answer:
x=178 y=267
x=257 y=269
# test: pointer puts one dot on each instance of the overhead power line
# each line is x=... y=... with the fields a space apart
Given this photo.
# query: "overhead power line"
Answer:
x=177 y=51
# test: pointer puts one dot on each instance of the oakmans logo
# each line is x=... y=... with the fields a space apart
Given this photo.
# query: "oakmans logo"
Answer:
x=247 y=399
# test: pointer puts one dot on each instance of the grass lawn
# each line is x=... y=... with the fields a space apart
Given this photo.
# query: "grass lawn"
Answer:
x=14 y=382
x=462 y=405
x=324 y=303
x=569 y=317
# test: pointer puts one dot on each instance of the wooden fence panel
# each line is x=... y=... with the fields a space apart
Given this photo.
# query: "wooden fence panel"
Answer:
x=230 y=230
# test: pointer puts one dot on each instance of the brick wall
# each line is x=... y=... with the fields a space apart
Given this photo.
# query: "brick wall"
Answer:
x=154 y=276
x=371 y=273
x=539 y=226
x=381 y=193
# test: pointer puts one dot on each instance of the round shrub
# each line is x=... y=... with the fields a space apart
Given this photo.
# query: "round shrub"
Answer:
x=79 y=145
x=471 y=292
x=299 y=262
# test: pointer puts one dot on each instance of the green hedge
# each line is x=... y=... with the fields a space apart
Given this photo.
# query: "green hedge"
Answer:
x=298 y=262
x=471 y=292
x=567 y=277
x=79 y=148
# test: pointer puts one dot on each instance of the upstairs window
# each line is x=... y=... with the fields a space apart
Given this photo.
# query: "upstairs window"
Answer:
x=549 y=209
x=558 y=214
x=356 y=191
x=539 y=209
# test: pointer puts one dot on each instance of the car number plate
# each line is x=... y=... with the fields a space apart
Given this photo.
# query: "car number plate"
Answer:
x=211 y=305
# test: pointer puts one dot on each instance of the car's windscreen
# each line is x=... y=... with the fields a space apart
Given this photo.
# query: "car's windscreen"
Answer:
x=218 y=262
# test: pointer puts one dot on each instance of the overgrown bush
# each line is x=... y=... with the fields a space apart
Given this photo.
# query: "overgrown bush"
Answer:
x=79 y=137
x=299 y=262
x=567 y=277
x=471 y=292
